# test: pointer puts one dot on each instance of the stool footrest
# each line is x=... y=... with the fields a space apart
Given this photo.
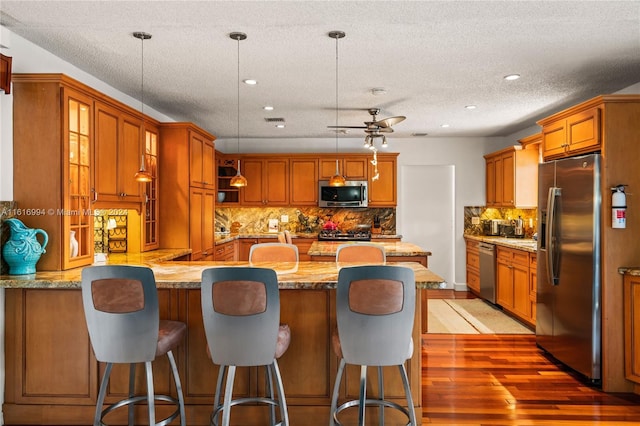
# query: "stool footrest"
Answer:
x=368 y=403
x=143 y=398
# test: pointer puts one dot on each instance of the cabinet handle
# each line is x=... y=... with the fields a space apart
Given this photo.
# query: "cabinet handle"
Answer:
x=95 y=194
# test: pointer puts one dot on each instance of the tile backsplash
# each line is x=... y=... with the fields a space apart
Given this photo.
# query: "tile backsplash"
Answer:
x=529 y=217
x=309 y=219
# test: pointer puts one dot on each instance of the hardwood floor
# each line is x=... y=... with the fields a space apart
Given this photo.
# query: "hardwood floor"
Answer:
x=506 y=380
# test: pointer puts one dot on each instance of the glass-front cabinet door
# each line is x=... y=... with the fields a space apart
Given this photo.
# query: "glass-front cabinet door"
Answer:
x=150 y=229
x=77 y=212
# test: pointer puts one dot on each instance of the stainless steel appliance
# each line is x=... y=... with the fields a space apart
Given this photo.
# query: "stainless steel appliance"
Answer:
x=568 y=290
x=491 y=227
x=487 y=271
x=352 y=194
x=358 y=234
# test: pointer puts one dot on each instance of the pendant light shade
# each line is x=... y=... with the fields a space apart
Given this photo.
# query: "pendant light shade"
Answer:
x=142 y=175
x=238 y=180
x=337 y=179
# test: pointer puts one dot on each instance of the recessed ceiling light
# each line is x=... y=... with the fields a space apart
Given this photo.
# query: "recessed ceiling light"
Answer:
x=280 y=126
x=444 y=125
x=419 y=134
x=512 y=77
x=267 y=108
x=250 y=82
x=378 y=91
x=470 y=107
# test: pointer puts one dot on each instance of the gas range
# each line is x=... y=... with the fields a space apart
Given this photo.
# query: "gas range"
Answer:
x=336 y=235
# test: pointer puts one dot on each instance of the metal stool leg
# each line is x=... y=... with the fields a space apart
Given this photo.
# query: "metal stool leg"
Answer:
x=176 y=378
x=97 y=419
x=269 y=390
x=150 y=393
x=381 y=393
x=407 y=391
x=228 y=390
x=132 y=390
x=336 y=389
x=216 y=401
x=363 y=394
x=284 y=412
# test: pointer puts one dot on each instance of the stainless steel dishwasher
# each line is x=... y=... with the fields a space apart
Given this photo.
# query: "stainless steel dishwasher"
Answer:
x=487 y=271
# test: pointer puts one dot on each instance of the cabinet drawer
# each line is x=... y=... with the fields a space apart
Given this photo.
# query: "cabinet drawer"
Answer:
x=473 y=281
x=473 y=260
x=521 y=257
x=503 y=255
x=533 y=260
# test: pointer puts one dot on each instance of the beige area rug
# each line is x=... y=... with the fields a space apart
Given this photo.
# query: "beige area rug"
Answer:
x=470 y=316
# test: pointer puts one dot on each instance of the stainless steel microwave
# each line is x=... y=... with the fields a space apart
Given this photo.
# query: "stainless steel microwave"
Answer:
x=352 y=194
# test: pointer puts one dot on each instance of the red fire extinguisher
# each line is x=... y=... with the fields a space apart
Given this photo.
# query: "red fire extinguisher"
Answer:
x=618 y=207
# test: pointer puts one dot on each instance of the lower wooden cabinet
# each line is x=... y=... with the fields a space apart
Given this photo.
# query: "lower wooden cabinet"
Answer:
x=632 y=328
x=226 y=252
x=513 y=283
x=473 y=267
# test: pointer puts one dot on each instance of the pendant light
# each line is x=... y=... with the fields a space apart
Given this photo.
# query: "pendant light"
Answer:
x=142 y=175
x=337 y=179
x=238 y=180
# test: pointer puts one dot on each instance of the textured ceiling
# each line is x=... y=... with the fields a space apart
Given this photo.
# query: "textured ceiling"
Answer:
x=432 y=58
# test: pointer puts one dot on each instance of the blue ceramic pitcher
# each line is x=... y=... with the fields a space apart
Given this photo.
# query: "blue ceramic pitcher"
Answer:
x=23 y=250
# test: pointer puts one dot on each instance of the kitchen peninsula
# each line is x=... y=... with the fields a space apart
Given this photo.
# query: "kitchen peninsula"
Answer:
x=52 y=376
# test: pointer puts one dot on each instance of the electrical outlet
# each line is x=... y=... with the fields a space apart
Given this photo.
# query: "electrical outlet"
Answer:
x=284 y=218
x=475 y=220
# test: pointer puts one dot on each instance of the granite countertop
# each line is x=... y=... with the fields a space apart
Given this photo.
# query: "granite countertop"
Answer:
x=630 y=270
x=526 y=244
x=329 y=248
x=296 y=276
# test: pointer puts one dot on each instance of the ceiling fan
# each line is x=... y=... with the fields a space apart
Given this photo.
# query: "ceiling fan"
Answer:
x=375 y=127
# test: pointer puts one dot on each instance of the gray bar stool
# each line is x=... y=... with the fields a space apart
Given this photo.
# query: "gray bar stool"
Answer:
x=122 y=315
x=241 y=312
x=361 y=252
x=375 y=307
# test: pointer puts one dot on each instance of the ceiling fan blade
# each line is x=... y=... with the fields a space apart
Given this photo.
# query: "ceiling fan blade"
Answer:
x=346 y=127
x=387 y=122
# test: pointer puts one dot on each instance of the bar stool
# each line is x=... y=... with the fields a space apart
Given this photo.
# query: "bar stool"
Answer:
x=122 y=315
x=375 y=307
x=241 y=312
x=273 y=252
x=287 y=237
x=361 y=252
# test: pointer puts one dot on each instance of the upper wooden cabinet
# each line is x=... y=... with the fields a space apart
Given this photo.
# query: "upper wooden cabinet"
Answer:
x=203 y=170
x=150 y=220
x=303 y=181
x=58 y=159
x=118 y=139
x=352 y=166
x=383 y=187
x=512 y=178
x=571 y=133
x=267 y=181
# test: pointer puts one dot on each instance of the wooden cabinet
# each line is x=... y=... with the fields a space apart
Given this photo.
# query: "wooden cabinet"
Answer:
x=513 y=282
x=53 y=159
x=352 y=167
x=473 y=266
x=632 y=327
x=383 y=185
x=150 y=220
x=118 y=138
x=189 y=197
x=512 y=178
x=226 y=251
x=533 y=284
x=303 y=244
x=303 y=181
x=573 y=134
x=227 y=169
x=202 y=170
x=267 y=181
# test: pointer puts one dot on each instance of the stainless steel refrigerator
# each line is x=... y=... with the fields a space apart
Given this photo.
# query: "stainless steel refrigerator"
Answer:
x=568 y=324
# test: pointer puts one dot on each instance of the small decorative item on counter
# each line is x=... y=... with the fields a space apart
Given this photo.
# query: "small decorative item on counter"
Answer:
x=74 y=244
x=221 y=196
x=23 y=250
x=235 y=227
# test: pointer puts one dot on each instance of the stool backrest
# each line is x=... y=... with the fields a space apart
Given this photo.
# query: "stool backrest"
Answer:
x=273 y=252
x=281 y=238
x=375 y=308
x=287 y=237
x=361 y=252
x=241 y=313
x=121 y=310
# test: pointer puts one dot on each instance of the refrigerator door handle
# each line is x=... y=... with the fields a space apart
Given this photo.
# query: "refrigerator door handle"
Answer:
x=551 y=237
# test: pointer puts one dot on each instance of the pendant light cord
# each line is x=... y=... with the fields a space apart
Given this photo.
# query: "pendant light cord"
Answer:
x=238 y=87
x=337 y=96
